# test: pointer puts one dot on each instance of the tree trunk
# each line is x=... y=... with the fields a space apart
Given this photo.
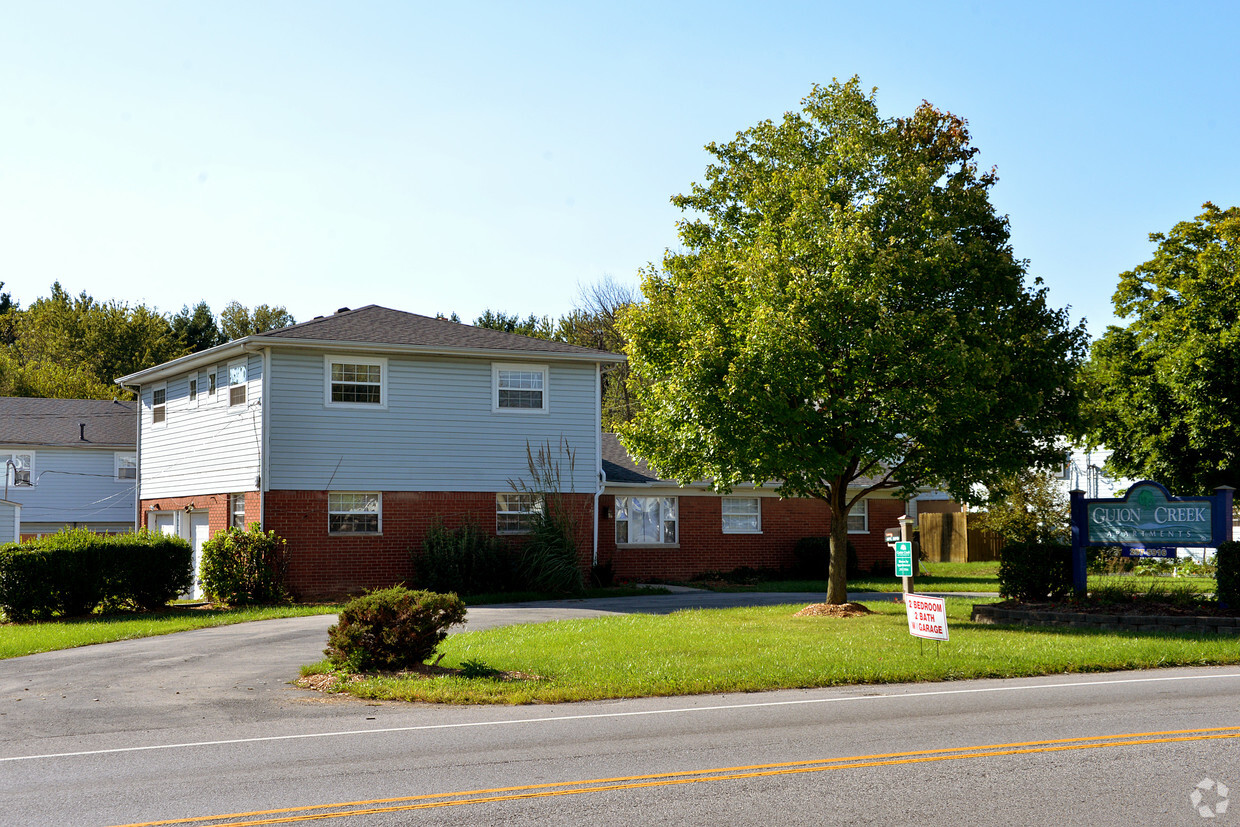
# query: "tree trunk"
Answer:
x=837 y=578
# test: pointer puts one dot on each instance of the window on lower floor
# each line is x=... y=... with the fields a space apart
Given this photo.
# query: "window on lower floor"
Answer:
x=646 y=520
x=859 y=518
x=236 y=511
x=742 y=515
x=354 y=513
x=514 y=513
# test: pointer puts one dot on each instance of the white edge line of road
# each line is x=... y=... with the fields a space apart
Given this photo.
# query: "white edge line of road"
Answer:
x=598 y=715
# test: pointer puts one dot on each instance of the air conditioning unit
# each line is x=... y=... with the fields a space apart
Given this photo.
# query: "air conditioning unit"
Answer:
x=21 y=477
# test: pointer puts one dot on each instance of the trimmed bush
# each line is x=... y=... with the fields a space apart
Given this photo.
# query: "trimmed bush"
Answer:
x=76 y=571
x=465 y=560
x=242 y=567
x=391 y=629
x=1227 y=573
x=1035 y=572
x=813 y=556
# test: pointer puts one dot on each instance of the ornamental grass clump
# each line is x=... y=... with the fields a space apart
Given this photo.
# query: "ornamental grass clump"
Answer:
x=391 y=629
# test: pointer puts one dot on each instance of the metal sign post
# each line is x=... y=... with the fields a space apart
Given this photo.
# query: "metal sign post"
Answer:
x=906 y=542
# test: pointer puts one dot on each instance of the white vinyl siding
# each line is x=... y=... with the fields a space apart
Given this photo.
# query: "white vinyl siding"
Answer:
x=742 y=515
x=354 y=513
x=519 y=388
x=210 y=449
x=353 y=382
x=437 y=432
x=859 y=518
x=646 y=520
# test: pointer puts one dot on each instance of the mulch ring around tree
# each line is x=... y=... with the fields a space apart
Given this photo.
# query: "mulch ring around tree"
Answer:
x=331 y=681
x=833 y=610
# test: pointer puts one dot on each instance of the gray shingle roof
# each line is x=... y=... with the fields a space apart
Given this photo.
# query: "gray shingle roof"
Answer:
x=27 y=421
x=381 y=325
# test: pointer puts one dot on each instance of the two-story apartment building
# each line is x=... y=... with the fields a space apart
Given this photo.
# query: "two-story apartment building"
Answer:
x=69 y=462
x=350 y=434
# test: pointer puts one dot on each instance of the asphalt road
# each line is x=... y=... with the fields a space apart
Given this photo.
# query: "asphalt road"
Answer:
x=203 y=724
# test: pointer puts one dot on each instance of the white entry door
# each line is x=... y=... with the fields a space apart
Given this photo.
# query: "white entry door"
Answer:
x=199 y=532
x=162 y=521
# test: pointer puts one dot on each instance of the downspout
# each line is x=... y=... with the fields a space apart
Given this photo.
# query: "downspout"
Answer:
x=264 y=462
x=600 y=476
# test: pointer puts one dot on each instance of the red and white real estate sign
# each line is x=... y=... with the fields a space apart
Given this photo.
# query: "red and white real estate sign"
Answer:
x=927 y=616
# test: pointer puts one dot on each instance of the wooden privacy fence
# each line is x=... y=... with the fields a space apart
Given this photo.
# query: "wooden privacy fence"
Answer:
x=948 y=538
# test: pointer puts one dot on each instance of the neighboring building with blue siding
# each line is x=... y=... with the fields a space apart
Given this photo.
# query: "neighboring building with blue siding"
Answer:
x=70 y=462
x=350 y=434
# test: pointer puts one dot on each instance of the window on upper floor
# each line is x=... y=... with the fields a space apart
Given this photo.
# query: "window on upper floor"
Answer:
x=355 y=382
x=125 y=467
x=159 y=405
x=519 y=388
x=514 y=513
x=21 y=472
x=646 y=520
x=350 y=512
x=211 y=382
x=193 y=390
x=859 y=518
x=236 y=384
x=741 y=515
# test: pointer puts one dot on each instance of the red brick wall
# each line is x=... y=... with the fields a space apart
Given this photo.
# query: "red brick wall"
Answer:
x=216 y=506
x=704 y=547
x=324 y=565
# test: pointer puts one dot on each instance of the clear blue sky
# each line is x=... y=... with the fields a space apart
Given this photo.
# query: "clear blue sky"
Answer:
x=458 y=156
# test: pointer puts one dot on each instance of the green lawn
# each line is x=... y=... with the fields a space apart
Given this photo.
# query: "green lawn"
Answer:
x=757 y=649
x=941 y=577
x=27 y=638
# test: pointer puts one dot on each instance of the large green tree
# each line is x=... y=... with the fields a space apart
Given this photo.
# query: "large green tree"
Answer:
x=846 y=316
x=74 y=346
x=1164 y=388
x=197 y=329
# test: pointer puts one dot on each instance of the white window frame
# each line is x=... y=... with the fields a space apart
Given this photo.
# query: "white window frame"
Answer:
x=514 y=512
x=212 y=382
x=734 y=503
x=862 y=510
x=244 y=384
x=10 y=474
x=345 y=509
x=499 y=367
x=380 y=362
x=159 y=389
x=234 y=513
x=119 y=459
x=623 y=506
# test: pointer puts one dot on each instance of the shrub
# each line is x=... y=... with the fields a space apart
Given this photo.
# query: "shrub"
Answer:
x=1033 y=572
x=240 y=567
x=1227 y=573
x=813 y=558
x=466 y=560
x=391 y=629
x=76 y=571
x=547 y=561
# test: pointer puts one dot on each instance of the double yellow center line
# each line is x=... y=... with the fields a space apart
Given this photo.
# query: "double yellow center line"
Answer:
x=322 y=812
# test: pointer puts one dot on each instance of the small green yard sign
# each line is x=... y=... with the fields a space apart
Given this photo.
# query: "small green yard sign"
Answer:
x=904 y=559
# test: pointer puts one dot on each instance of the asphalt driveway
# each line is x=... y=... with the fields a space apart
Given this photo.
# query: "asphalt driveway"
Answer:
x=239 y=676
